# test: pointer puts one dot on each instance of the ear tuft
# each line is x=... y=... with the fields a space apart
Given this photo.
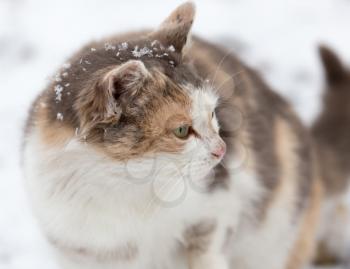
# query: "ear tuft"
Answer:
x=176 y=28
x=333 y=66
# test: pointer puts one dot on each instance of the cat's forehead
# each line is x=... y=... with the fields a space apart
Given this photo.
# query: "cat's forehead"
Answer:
x=203 y=98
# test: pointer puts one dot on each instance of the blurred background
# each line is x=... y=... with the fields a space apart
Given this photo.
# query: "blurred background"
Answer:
x=277 y=37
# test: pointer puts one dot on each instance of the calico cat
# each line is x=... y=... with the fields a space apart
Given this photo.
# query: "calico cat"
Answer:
x=331 y=132
x=156 y=150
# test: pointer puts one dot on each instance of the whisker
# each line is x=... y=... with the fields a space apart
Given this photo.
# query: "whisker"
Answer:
x=220 y=63
x=227 y=79
x=222 y=164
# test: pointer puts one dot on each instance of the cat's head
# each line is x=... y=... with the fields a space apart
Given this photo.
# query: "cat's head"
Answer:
x=153 y=104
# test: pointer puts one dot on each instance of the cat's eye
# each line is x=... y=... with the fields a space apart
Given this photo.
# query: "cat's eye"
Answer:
x=182 y=131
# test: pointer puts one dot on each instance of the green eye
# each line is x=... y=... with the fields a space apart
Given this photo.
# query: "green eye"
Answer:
x=182 y=131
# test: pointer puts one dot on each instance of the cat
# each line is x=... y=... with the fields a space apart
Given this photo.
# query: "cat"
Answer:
x=331 y=132
x=159 y=150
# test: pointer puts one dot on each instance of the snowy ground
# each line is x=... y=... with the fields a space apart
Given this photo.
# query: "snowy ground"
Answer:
x=279 y=37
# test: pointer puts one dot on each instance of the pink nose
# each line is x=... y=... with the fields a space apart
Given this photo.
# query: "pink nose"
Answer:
x=219 y=151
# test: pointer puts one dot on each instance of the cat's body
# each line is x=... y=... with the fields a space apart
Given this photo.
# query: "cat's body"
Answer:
x=115 y=184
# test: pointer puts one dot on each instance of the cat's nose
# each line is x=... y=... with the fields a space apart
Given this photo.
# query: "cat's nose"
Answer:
x=219 y=151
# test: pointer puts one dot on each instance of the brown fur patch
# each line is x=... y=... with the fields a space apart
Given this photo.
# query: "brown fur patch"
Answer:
x=52 y=133
x=324 y=257
x=286 y=145
x=198 y=236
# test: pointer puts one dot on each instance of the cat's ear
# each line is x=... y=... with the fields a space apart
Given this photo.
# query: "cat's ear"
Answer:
x=333 y=66
x=105 y=101
x=175 y=30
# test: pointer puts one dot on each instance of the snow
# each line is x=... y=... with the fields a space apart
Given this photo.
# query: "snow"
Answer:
x=109 y=46
x=59 y=116
x=123 y=46
x=58 y=90
x=171 y=48
x=141 y=52
x=66 y=65
x=279 y=38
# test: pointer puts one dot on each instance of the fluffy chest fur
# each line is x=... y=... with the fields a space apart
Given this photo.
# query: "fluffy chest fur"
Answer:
x=101 y=213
